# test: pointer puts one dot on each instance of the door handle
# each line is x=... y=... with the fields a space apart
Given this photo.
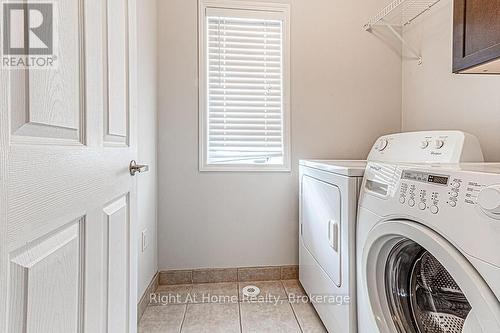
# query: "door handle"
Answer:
x=333 y=235
x=137 y=168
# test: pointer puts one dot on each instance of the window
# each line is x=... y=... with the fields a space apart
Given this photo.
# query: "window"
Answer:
x=244 y=88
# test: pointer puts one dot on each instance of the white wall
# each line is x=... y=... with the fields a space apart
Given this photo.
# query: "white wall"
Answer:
x=434 y=98
x=346 y=91
x=147 y=122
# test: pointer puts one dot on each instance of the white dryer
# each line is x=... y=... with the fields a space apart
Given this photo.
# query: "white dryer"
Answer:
x=328 y=204
x=429 y=249
x=328 y=196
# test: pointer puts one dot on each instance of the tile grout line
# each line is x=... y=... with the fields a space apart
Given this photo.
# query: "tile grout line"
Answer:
x=291 y=307
x=286 y=291
x=296 y=318
x=239 y=316
x=239 y=306
x=183 y=317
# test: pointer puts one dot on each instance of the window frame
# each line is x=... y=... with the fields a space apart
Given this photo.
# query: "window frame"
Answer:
x=283 y=10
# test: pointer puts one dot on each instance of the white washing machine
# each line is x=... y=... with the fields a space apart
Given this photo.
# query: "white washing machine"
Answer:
x=429 y=249
x=328 y=204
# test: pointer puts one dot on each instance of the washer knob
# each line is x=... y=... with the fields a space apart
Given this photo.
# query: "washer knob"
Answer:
x=382 y=144
x=424 y=144
x=489 y=199
x=439 y=144
x=434 y=209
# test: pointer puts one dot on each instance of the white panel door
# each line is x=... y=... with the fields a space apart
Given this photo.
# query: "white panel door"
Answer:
x=67 y=199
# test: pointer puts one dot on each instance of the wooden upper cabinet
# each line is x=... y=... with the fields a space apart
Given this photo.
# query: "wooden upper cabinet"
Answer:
x=476 y=36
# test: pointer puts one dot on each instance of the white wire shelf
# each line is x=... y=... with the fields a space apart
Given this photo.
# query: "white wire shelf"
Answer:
x=400 y=13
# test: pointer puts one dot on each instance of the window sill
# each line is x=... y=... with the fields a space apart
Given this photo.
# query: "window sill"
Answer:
x=245 y=168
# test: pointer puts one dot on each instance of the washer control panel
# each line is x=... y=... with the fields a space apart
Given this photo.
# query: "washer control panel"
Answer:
x=429 y=191
x=425 y=177
x=472 y=191
x=460 y=202
x=427 y=147
x=454 y=192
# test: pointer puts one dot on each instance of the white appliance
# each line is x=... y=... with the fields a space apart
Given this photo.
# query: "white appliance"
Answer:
x=428 y=249
x=328 y=203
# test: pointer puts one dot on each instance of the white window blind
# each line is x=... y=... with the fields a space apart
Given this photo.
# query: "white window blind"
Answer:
x=245 y=116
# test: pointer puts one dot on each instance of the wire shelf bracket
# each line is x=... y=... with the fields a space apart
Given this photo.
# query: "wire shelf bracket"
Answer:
x=399 y=14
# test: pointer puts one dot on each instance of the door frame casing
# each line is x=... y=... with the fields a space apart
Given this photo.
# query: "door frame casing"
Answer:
x=4 y=145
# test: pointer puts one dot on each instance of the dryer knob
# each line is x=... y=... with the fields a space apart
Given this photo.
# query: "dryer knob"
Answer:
x=489 y=199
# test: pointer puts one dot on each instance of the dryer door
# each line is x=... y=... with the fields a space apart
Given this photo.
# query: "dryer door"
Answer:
x=321 y=225
x=417 y=282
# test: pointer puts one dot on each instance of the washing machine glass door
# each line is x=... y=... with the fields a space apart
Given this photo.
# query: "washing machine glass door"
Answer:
x=419 y=283
x=422 y=295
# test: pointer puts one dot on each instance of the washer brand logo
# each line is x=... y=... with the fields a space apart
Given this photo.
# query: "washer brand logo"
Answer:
x=28 y=34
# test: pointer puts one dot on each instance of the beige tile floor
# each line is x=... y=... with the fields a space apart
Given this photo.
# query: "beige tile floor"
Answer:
x=221 y=307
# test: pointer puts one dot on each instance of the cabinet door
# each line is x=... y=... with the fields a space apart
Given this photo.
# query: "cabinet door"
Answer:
x=476 y=44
